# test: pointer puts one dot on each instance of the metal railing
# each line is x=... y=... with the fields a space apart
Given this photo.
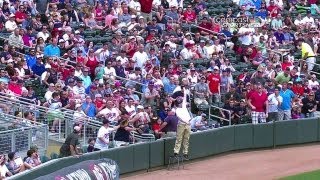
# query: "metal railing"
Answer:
x=18 y=135
x=42 y=114
x=220 y=117
x=28 y=47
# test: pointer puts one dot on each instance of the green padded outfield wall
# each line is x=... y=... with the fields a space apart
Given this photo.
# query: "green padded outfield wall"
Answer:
x=202 y=144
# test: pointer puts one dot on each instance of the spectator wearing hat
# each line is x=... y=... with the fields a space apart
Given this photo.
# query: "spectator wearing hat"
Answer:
x=150 y=96
x=69 y=147
x=79 y=90
x=241 y=113
x=214 y=81
x=169 y=125
x=233 y=94
x=141 y=120
x=309 y=105
x=103 y=140
x=258 y=78
x=11 y=24
x=122 y=136
x=258 y=102
x=39 y=67
x=199 y=122
x=286 y=105
x=111 y=112
x=201 y=92
x=274 y=102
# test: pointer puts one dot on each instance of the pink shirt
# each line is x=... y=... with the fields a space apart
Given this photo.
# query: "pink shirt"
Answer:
x=108 y=20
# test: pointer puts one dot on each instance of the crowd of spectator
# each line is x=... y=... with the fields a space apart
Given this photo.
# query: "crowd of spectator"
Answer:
x=127 y=62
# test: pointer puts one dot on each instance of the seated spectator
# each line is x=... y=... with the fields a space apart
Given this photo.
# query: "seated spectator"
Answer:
x=4 y=172
x=156 y=125
x=91 y=148
x=32 y=159
x=15 y=163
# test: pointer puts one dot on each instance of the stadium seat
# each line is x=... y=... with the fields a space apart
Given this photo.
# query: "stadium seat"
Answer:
x=54 y=155
x=44 y=159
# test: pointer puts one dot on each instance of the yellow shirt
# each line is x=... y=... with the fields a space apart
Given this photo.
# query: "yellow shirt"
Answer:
x=306 y=48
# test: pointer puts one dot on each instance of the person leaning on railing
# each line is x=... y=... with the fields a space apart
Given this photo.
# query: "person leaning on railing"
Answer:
x=69 y=147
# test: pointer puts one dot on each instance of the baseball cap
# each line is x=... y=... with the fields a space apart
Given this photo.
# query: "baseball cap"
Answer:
x=98 y=96
x=140 y=107
x=77 y=128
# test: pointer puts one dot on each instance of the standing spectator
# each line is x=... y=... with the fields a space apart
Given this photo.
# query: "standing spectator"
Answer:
x=307 y=54
x=201 y=92
x=69 y=147
x=286 y=105
x=183 y=128
x=258 y=102
x=169 y=125
x=274 y=101
x=309 y=105
x=214 y=84
x=102 y=141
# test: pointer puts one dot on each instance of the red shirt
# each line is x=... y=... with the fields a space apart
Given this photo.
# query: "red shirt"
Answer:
x=205 y=26
x=189 y=16
x=15 y=88
x=64 y=72
x=146 y=6
x=285 y=65
x=155 y=127
x=98 y=103
x=214 y=82
x=20 y=15
x=216 y=28
x=258 y=100
x=298 y=90
x=275 y=10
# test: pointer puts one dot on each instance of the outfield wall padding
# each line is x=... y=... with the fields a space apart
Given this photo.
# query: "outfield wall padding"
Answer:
x=143 y=156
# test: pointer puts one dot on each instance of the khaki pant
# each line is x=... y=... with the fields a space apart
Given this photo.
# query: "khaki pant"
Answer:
x=183 y=135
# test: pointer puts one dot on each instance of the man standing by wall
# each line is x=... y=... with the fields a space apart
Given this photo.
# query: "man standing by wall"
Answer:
x=285 y=108
x=183 y=129
x=258 y=101
x=274 y=101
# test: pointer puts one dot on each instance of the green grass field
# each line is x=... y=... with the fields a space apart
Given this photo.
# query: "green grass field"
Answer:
x=312 y=175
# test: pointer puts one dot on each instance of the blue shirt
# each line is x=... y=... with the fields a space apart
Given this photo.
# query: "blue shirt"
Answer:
x=92 y=109
x=51 y=50
x=287 y=96
x=169 y=88
x=38 y=69
x=31 y=60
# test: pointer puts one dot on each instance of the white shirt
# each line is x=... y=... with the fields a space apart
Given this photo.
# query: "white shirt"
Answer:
x=43 y=35
x=11 y=25
x=123 y=60
x=111 y=114
x=109 y=71
x=79 y=91
x=140 y=58
x=131 y=110
x=102 y=54
x=273 y=102
x=246 y=39
x=313 y=84
x=3 y=170
x=48 y=95
x=307 y=20
x=186 y=54
x=156 y=3
x=298 y=22
x=135 y=5
x=103 y=133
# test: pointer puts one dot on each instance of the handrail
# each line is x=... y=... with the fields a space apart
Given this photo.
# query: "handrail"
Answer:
x=7 y=39
x=222 y=109
x=127 y=79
